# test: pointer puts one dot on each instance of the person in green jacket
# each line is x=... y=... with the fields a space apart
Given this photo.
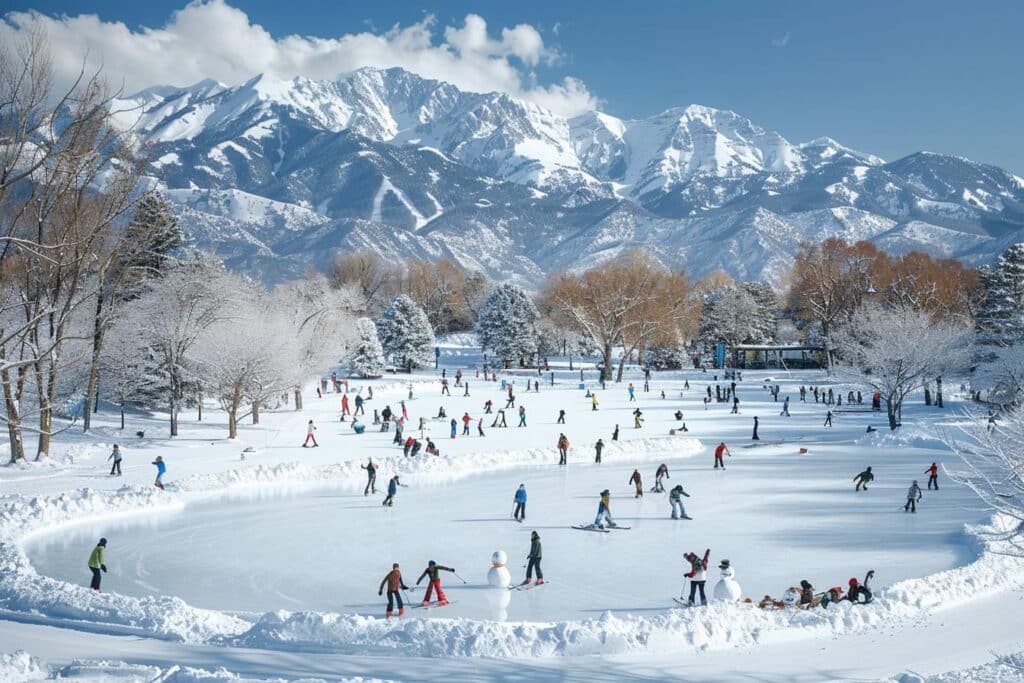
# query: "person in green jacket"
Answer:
x=96 y=563
x=433 y=574
x=533 y=560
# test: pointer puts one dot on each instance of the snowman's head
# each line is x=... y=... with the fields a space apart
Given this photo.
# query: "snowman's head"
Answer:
x=728 y=572
x=499 y=558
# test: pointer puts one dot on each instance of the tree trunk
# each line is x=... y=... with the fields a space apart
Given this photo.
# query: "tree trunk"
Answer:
x=91 y=387
x=255 y=412
x=174 y=405
x=298 y=399
x=14 y=433
x=199 y=405
x=606 y=354
x=122 y=415
x=622 y=366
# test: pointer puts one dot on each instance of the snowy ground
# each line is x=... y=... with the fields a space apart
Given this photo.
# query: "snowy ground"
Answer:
x=289 y=529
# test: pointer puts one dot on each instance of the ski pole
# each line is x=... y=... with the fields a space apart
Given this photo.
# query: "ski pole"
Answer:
x=459 y=578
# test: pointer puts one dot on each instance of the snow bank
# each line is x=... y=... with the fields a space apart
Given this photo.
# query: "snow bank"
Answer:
x=21 y=666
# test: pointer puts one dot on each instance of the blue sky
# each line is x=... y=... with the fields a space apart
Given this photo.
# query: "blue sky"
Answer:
x=888 y=78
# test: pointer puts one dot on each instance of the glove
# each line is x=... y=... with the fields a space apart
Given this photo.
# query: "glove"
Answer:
x=104 y=568
x=380 y=592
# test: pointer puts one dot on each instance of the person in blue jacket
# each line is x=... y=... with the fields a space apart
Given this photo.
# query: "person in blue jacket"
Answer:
x=161 y=470
x=520 y=511
x=455 y=427
x=393 y=485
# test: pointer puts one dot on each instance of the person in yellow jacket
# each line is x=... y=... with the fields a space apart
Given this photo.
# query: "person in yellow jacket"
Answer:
x=593 y=401
x=604 y=511
x=96 y=563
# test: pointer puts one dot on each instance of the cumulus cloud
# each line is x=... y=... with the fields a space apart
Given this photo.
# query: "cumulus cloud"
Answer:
x=212 y=39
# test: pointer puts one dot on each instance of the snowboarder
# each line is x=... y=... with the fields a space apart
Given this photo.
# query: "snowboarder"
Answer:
x=863 y=478
x=659 y=474
x=96 y=564
x=604 y=511
x=533 y=560
x=310 y=428
x=393 y=485
x=721 y=450
x=913 y=497
x=433 y=572
x=519 y=512
x=615 y=434
x=522 y=416
x=598 y=447
x=698 y=576
x=675 y=497
x=563 y=449
x=466 y=419
x=785 y=407
x=828 y=419
x=161 y=470
x=393 y=581
x=636 y=481
x=757 y=423
x=933 y=476
x=371 y=477
x=593 y=401
x=115 y=455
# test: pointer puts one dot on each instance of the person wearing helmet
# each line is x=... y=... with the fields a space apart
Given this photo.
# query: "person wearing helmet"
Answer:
x=913 y=497
x=433 y=572
x=604 y=512
x=96 y=563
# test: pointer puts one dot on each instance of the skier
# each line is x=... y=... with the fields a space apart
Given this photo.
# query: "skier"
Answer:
x=522 y=416
x=433 y=572
x=393 y=580
x=310 y=428
x=675 y=497
x=863 y=478
x=519 y=513
x=913 y=497
x=604 y=511
x=933 y=476
x=563 y=449
x=828 y=419
x=533 y=560
x=561 y=417
x=636 y=481
x=455 y=427
x=96 y=564
x=698 y=575
x=115 y=455
x=721 y=450
x=632 y=392
x=615 y=434
x=754 y=436
x=371 y=477
x=598 y=447
x=785 y=407
x=466 y=419
x=659 y=474
x=161 y=470
x=593 y=401
x=638 y=418
x=393 y=485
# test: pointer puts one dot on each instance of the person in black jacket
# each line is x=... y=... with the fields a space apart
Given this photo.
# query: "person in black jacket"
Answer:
x=533 y=560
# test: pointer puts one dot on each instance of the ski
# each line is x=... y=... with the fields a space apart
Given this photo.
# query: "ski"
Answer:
x=591 y=528
x=435 y=605
x=683 y=603
x=526 y=586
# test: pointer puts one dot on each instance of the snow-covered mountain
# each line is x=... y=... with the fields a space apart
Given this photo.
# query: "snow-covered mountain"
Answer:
x=276 y=175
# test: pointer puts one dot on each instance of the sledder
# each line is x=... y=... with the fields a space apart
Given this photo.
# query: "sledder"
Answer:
x=804 y=597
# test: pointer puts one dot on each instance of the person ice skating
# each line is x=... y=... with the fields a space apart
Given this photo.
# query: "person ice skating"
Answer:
x=563 y=449
x=675 y=498
x=636 y=480
x=785 y=407
x=828 y=419
x=522 y=416
x=465 y=391
x=933 y=476
x=561 y=417
x=488 y=406
x=115 y=455
x=913 y=497
x=466 y=419
x=359 y=405
x=519 y=512
x=399 y=427
x=455 y=427
x=660 y=474
x=405 y=411
x=604 y=510
x=393 y=485
x=803 y=394
x=632 y=392
x=161 y=470
x=615 y=434
x=371 y=477
x=480 y=427
x=310 y=428
x=344 y=407
x=511 y=402
x=444 y=388
x=698 y=576
x=499 y=419
x=598 y=447
x=433 y=573
x=96 y=563
x=458 y=378
x=735 y=406
x=863 y=478
x=393 y=581
x=721 y=450
x=757 y=423
x=638 y=419
x=593 y=401
x=533 y=560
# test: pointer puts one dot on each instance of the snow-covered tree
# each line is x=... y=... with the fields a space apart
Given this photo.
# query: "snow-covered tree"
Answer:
x=896 y=350
x=405 y=333
x=507 y=325
x=1000 y=316
x=367 y=358
x=766 y=320
x=122 y=378
x=1000 y=377
x=668 y=356
x=729 y=315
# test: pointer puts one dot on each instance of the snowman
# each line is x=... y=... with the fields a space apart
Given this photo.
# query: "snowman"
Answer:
x=727 y=589
x=497 y=575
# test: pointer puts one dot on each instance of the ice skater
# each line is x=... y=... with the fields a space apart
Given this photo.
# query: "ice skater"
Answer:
x=615 y=434
x=466 y=420
x=310 y=428
x=563 y=449
x=393 y=485
x=914 y=496
x=455 y=427
x=863 y=479
x=638 y=419
x=371 y=477
x=97 y=564
x=785 y=407
x=522 y=416
x=632 y=392
x=828 y=419
x=161 y=470
x=675 y=497
x=698 y=575
x=561 y=417
x=933 y=476
x=519 y=511
x=594 y=402
x=721 y=450
x=433 y=573
x=757 y=423
x=393 y=581
x=637 y=481
x=660 y=474
x=116 y=456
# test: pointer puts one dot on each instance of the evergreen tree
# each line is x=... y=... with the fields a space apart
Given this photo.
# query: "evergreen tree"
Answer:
x=405 y=333
x=367 y=358
x=766 y=319
x=1000 y=317
x=670 y=356
x=150 y=240
x=507 y=325
x=729 y=316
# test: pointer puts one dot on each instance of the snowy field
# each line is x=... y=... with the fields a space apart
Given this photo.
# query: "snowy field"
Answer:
x=268 y=567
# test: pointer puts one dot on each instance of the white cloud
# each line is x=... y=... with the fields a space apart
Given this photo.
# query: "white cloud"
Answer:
x=212 y=39
x=783 y=41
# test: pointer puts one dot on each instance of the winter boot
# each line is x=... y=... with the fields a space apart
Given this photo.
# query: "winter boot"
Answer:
x=424 y=603
x=401 y=611
x=538 y=582
x=387 y=615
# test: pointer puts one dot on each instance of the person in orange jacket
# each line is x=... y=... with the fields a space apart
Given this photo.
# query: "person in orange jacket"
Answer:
x=721 y=450
x=393 y=581
x=563 y=449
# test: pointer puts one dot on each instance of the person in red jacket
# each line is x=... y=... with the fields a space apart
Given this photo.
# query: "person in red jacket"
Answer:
x=933 y=476
x=393 y=580
x=466 y=420
x=721 y=450
x=344 y=406
x=698 y=575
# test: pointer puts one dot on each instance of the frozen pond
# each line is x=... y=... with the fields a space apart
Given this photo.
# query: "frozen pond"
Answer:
x=779 y=518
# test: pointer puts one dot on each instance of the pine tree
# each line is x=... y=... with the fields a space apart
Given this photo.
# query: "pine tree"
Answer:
x=728 y=315
x=152 y=238
x=1000 y=317
x=507 y=325
x=367 y=358
x=766 y=319
x=405 y=333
